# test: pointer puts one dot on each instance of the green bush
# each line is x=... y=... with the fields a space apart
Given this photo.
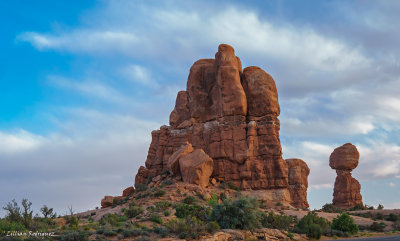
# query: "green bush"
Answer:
x=241 y=213
x=109 y=233
x=187 y=225
x=229 y=185
x=392 y=217
x=377 y=227
x=315 y=231
x=162 y=205
x=185 y=210
x=131 y=233
x=213 y=200
x=110 y=218
x=5 y=226
x=380 y=207
x=344 y=223
x=167 y=182
x=189 y=200
x=330 y=208
x=133 y=211
x=212 y=227
x=275 y=221
x=155 y=218
x=312 y=225
x=166 y=213
x=159 y=193
x=73 y=222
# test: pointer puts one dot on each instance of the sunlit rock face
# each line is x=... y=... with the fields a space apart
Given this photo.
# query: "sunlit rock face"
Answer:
x=232 y=115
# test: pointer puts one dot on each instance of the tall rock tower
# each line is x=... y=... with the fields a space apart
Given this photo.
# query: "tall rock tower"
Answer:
x=232 y=115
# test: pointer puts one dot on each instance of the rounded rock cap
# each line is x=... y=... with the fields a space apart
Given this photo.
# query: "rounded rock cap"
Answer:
x=344 y=157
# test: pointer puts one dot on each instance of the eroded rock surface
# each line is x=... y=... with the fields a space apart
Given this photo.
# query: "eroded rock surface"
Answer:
x=347 y=189
x=232 y=115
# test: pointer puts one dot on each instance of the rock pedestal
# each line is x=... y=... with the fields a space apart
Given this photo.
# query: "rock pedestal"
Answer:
x=346 y=192
x=231 y=114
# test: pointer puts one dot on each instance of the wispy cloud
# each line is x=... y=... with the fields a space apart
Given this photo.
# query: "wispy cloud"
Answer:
x=90 y=88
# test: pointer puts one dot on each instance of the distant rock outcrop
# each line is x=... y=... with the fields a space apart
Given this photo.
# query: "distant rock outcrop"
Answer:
x=226 y=124
x=346 y=192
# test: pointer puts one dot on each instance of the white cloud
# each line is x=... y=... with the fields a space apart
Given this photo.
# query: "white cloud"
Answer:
x=19 y=141
x=321 y=186
x=391 y=184
x=184 y=31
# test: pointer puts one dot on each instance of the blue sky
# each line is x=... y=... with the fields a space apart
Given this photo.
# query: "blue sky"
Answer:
x=83 y=84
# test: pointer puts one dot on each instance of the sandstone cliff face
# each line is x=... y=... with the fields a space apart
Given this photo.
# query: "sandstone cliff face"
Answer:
x=232 y=115
x=346 y=192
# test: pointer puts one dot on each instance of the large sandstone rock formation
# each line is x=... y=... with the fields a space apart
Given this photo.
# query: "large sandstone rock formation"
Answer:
x=232 y=115
x=346 y=192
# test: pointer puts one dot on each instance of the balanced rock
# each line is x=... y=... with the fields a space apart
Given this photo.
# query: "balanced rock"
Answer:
x=232 y=115
x=347 y=189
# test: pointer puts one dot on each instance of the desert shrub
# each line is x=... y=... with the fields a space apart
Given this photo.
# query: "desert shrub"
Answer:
x=73 y=222
x=74 y=236
x=187 y=225
x=312 y=225
x=330 y=208
x=162 y=205
x=213 y=200
x=344 y=223
x=272 y=220
x=166 y=213
x=189 y=200
x=5 y=226
x=380 y=207
x=278 y=204
x=241 y=213
x=131 y=233
x=185 y=210
x=392 y=217
x=133 y=211
x=92 y=213
x=122 y=218
x=159 y=193
x=212 y=227
x=377 y=227
x=314 y=231
x=109 y=233
x=110 y=218
x=141 y=187
x=155 y=218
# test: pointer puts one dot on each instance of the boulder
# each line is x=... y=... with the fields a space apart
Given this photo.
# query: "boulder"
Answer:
x=107 y=201
x=173 y=161
x=344 y=157
x=196 y=168
x=128 y=191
